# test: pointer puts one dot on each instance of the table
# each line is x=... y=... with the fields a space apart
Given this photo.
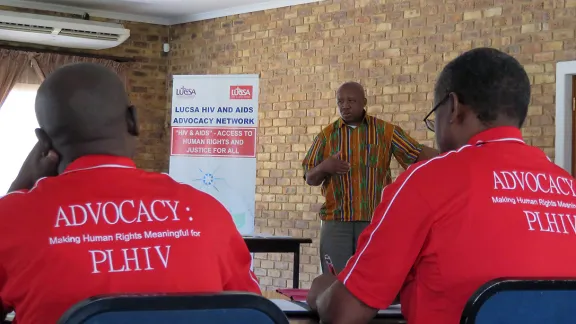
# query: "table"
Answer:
x=303 y=320
x=279 y=244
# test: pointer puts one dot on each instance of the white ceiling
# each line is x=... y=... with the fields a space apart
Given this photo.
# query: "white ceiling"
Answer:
x=164 y=12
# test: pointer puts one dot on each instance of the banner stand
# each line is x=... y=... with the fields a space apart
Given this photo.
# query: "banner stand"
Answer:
x=213 y=147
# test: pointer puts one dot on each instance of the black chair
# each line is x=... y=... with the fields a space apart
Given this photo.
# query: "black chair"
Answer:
x=523 y=301
x=229 y=307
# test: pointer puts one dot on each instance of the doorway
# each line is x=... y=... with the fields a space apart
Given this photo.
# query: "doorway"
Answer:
x=574 y=125
x=564 y=145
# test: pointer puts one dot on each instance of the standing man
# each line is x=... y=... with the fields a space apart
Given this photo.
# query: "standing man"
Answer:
x=351 y=160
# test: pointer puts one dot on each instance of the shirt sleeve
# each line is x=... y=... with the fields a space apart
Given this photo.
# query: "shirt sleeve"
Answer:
x=4 y=309
x=236 y=260
x=315 y=154
x=390 y=245
x=240 y=277
x=6 y=202
x=405 y=148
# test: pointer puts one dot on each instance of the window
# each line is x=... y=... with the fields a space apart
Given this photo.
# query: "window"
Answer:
x=17 y=138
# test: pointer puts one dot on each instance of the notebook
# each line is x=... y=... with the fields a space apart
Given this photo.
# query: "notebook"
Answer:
x=294 y=294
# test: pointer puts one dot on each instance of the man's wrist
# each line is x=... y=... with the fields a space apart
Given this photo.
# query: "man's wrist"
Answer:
x=322 y=169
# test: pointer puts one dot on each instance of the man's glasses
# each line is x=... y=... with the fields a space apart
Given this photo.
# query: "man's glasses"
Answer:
x=430 y=123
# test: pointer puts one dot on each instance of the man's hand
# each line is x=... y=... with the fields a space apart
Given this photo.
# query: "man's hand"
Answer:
x=335 y=304
x=427 y=153
x=41 y=162
x=334 y=165
x=330 y=166
x=319 y=285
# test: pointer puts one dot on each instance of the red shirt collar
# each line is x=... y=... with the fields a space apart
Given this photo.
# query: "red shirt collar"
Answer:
x=99 y=161
x=497 y=134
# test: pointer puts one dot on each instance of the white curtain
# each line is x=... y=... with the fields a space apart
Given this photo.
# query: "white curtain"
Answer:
x=17 y=124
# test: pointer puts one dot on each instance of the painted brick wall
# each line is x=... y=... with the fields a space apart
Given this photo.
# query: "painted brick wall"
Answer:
x=395 y=48
x=147 y=82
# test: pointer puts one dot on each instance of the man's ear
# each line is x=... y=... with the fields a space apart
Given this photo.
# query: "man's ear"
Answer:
x=365 y=102
x=457 y=110
x=44 y=140
x=132 y=121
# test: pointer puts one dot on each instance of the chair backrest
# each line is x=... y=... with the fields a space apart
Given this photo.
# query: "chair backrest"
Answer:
x=229 y=307
x=525 y=301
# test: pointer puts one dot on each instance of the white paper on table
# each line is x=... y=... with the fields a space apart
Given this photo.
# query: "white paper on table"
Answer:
x=288 y=306
x=392 y=309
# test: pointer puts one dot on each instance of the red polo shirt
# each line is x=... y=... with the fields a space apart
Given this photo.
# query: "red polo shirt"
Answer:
x=104 y=226
x=494 y=208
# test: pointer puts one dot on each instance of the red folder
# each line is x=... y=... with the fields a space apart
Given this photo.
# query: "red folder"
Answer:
x=294 y=294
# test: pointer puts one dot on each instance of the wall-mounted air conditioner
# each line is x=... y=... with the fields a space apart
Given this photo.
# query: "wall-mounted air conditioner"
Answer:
x=60 y=32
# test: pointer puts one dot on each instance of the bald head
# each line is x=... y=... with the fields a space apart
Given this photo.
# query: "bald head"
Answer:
x=355 y=86
x=351 y=102
x=84 y=109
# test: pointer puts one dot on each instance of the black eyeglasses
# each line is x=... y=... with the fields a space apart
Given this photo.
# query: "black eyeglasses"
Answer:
x=431 y=122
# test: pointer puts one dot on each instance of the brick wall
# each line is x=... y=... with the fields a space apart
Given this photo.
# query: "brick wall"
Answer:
x=395 y=48
x=147 y=82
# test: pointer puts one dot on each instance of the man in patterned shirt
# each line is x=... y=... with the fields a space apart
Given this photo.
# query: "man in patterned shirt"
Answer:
x=350 y=158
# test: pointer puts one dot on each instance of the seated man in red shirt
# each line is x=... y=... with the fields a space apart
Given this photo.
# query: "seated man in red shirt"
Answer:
x=102 y=225
x=490 y=206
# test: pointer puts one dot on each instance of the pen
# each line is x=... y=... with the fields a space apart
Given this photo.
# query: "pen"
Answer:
x=329 y=264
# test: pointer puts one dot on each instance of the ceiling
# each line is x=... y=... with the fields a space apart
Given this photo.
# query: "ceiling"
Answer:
x=164 y=12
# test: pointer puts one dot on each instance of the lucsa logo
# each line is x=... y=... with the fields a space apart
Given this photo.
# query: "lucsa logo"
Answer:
x=240 y=92
x=186 y=92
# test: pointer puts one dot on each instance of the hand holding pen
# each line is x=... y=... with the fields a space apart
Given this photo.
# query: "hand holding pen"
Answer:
x=328 y=261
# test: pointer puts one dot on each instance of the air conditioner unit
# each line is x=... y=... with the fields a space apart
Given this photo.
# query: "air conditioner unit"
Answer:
x=60 y=32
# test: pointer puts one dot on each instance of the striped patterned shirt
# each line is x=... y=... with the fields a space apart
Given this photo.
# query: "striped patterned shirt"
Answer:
x=368 y=148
